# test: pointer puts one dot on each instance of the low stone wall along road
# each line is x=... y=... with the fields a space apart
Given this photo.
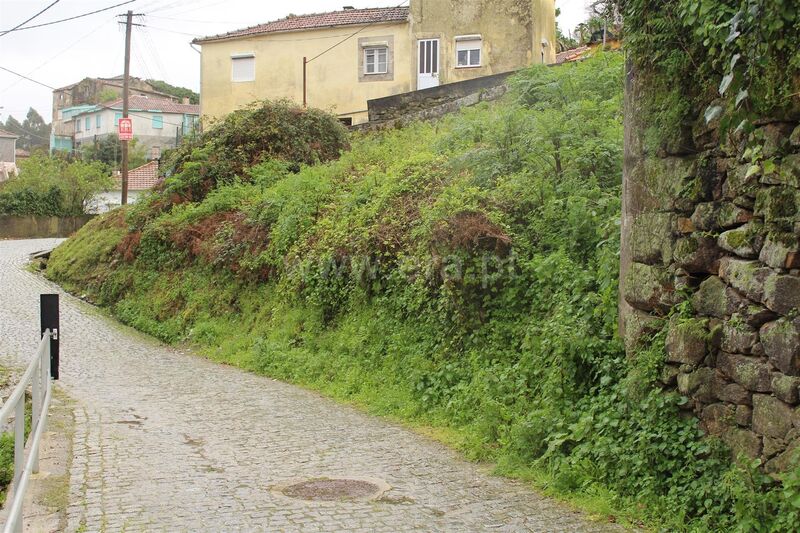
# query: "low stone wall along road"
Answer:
x=165 y=440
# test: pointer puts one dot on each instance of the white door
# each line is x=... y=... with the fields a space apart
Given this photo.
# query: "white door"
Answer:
x=428 y=65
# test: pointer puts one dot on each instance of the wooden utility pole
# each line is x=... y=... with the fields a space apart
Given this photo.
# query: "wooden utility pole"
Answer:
x=125 y=90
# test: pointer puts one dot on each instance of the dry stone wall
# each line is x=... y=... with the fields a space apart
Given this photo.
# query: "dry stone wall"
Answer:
x=711 y=255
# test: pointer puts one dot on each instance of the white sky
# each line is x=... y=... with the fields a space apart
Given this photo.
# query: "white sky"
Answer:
x=65 y=53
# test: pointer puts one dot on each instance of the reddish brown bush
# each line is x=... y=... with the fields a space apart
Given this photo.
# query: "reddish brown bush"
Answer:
x=471 y=231
x=128 y=246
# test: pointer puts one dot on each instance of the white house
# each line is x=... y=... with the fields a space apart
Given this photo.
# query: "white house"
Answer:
x=8 y=150
x=157 y=123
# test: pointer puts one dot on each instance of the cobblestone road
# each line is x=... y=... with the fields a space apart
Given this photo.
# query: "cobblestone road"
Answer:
x=168 y=441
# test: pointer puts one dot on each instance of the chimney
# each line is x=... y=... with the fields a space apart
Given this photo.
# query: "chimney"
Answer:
x=348 y=8
x=185 y=100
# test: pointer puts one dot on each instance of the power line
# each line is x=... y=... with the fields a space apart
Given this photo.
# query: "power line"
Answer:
x=151 y=45
x=140 y=116
x=170 y=31
x=99 y=105
x=138 y=52
x=196 y=21
x=168 y=6
x=70 y=18
x=27 y=78
x=194 y=7
x=84 y=37
x=30 y=19
x=353 y=34
x=22 y=131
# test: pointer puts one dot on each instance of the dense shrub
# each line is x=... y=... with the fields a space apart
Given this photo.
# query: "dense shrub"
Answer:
x=53 y=186
x=263 y=131
x=461 y=274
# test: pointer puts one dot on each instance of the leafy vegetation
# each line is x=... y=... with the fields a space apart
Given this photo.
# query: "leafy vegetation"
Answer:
x=728 y=60
x=108 y=150
x=6 y=463
x=460 y=275
x=53 y=186
x=263 y=132
x=180 y=92
x=33 y=132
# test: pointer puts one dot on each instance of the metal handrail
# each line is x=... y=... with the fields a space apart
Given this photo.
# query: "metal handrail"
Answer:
x=38 y=376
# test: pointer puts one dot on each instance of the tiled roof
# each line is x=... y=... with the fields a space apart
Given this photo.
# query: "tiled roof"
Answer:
x=4 y=133
x=143 y=177
x=346 y=17
x=567 y=56
x=145 y=103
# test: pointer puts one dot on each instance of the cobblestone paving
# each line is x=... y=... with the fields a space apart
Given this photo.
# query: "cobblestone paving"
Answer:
x=168 y=441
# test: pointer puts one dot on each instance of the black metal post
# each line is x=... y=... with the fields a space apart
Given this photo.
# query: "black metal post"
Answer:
x=49 y=320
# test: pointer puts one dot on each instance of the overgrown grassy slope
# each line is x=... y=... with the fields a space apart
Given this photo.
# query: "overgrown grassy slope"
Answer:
x=460 y=275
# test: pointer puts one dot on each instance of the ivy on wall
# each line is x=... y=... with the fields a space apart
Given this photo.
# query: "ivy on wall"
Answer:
x=727 y=60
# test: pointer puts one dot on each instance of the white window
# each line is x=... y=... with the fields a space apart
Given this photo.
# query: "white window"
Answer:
x=375 y=60
x=243 y=67
x=468 y=51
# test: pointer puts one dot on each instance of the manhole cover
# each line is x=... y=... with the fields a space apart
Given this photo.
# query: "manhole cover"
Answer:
x=325 y=489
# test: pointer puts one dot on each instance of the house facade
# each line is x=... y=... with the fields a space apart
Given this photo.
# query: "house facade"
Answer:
x=355 y=55
x=82 y=95
x=158 y=123
x=8 y=154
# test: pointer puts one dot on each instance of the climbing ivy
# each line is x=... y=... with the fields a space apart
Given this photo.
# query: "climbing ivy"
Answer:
x=727 y=60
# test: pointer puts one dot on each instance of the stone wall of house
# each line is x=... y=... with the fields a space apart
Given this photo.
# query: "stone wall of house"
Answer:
x=714 y=228
x=435 y=102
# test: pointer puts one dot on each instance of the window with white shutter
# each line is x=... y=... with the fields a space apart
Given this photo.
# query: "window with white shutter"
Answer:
x=468 y=51
x=243 y=67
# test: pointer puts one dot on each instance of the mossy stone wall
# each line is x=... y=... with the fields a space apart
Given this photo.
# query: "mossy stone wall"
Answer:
x=714 y=225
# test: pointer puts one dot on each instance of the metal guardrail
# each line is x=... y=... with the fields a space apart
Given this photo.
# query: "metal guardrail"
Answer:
x=41 y=369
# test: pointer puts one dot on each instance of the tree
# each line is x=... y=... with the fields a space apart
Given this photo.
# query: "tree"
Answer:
x=33 y=132
x=12 y=125
x=37 y=130
x=53 y=186
x=108 y=150
x=107 y=95
x=180 y=92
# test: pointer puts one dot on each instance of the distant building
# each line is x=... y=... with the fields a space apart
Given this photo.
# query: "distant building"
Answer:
x=8 y=154
x=140 y=179
x=69 y=100
x=392 y=50
x=158 y=123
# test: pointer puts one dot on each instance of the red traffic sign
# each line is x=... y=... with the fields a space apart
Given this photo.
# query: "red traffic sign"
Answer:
x=125 y=129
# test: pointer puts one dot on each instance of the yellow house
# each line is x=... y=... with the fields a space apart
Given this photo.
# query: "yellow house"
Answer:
x=339 y=60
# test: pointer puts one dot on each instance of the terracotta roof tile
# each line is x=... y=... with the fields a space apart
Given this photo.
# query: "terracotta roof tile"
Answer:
x=143 y=177
x=145 y=103
x=4 y=133
x=318 y=20
x=574 y=54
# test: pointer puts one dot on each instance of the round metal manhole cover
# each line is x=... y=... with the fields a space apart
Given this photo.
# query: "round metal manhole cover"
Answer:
x=326 y=489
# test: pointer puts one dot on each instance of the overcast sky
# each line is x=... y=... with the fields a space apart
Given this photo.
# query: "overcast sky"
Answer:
x=93 y=46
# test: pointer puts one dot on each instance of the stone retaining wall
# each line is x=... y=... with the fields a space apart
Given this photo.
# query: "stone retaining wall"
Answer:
x=715 y=227
x=34 y=227
x=434 y=102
